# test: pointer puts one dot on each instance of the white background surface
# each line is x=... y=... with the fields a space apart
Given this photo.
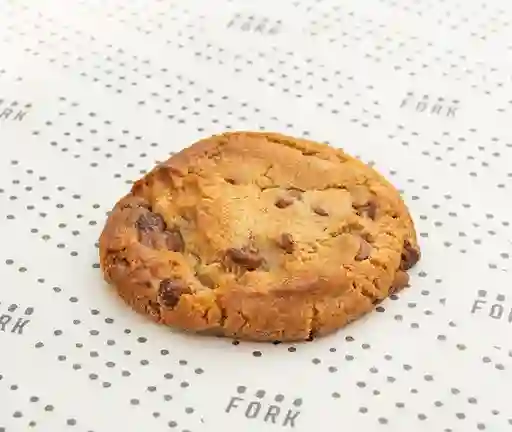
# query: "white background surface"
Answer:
x=94 y=92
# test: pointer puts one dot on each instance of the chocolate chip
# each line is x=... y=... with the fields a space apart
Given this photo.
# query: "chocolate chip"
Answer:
x=286 y=242
x=170 y=292
x=284 y=202
x=410 y=256
x=174 y=240
x=150 y=222
x=320 y=211
x=368 y=210
x=246 y=257
x=206 y=280
x=400 y=281
x=365 y=249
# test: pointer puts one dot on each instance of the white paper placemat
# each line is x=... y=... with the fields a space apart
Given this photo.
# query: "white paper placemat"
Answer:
x=93 y=92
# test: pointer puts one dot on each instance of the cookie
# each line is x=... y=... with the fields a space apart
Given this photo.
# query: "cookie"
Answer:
x=259 y=236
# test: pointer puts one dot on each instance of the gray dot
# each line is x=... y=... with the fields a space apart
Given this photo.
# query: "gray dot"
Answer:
x=184 y=384
x=361 y=384
x=400 y=405
x=374 y=370
x=336 y=395
x=125 y=373
x=168 y=376
x=77 y=366
x=472 y=400
x=134 y=402
x=14 y=387
x=17 y=414
x=71 y=422
x=156 y=414
x=142 y=339
x=172 y=424
x=486 y=359
x=93 y=376
x=422 y=416
x=383 y=420
x=363 y=410
x=279 y=398
x=34 y=399
x=48 y=408
x=349 y=357
x=106 y=384
x=189 y=410
x=429 y=378
x=167 y=398
x=260 y=393
x=39 y=345
x=297 y=402
x=199 y=371
x=438 y=404
x=316 y=361
x=480 y=426
x=333 y=369
x=460 y=416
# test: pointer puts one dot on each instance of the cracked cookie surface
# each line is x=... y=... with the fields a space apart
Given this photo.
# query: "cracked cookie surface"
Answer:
x=259 y=236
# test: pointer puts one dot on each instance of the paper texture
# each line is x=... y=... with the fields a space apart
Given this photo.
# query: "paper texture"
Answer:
x=93 y=92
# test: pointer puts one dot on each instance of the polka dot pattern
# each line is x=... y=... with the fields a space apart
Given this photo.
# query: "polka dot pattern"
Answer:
x=426 y=111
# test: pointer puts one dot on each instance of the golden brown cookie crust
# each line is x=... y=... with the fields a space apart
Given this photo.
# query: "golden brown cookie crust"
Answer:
x=258 y=236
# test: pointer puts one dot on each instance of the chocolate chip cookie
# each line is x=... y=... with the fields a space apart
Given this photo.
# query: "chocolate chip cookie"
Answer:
x=259 y=236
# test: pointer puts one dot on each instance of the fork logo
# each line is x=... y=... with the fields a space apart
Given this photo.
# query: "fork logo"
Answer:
x=428 y=105
x=12 y=321
x=11 y=110
x=254 y=407
x=493 y=308
x=252 y=24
